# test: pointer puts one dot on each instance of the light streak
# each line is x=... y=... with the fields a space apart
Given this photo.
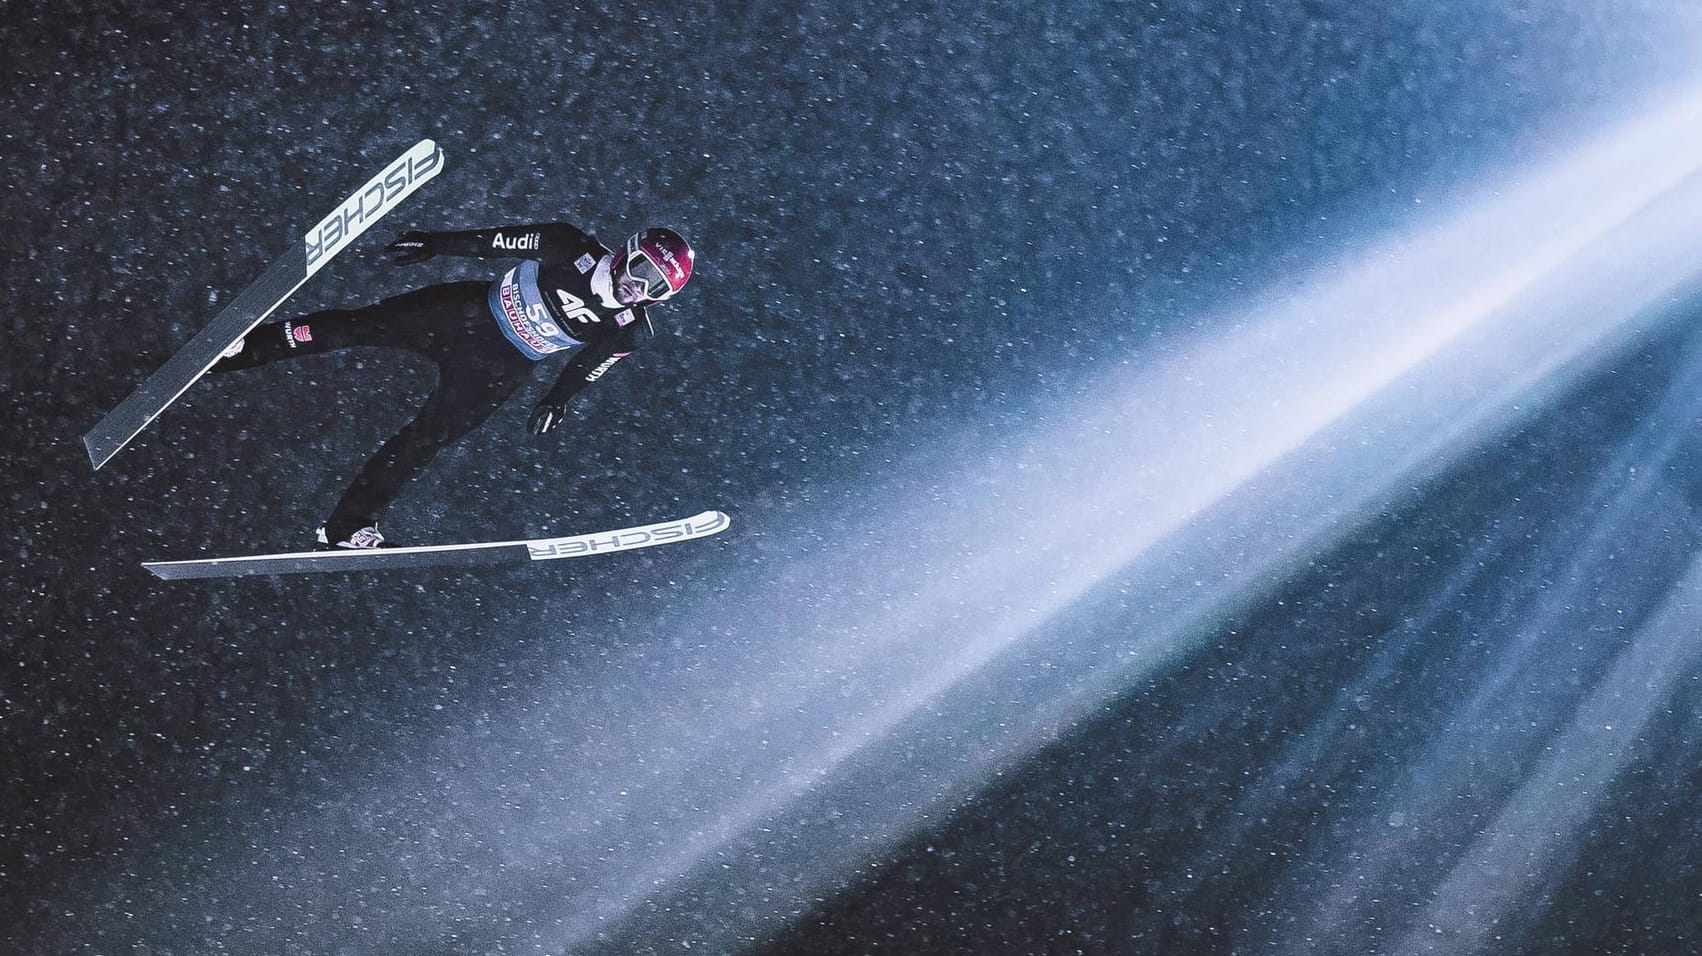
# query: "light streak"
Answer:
x=1201 y=477
x=861 y=676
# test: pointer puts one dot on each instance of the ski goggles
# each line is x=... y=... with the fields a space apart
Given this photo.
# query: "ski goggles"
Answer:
x=647 y=273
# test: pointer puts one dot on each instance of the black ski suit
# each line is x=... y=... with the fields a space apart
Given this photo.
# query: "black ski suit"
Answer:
x=483 y=338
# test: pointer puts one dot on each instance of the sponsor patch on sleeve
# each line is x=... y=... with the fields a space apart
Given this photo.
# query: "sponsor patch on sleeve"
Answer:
x=585 y=263
x=624 y=318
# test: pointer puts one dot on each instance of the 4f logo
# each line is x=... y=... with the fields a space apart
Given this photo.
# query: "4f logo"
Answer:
x=574 y=307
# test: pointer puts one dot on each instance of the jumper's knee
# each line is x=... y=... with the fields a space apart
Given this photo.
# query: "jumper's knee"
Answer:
x=270 y=342
x=245 y=357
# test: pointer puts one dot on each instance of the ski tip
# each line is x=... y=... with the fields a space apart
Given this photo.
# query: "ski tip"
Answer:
x=427 y=148
x=706 y=523
x=711 y=522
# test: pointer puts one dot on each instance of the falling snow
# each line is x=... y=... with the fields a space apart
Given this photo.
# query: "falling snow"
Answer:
x=1206 y=478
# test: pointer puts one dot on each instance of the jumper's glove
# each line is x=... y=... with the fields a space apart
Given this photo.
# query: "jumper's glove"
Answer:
x=546 y=415
x=410 y=247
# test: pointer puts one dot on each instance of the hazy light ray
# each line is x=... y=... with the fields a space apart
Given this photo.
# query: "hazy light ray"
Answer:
x=1553 y=604
x=1310 y=403
x=1537 y=829
x=1312 y=358
x=1197 y=410
x=1443 y=772
x=1313 y=745
x=1613 y=500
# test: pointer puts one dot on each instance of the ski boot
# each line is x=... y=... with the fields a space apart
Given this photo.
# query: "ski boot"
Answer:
x=352 y=534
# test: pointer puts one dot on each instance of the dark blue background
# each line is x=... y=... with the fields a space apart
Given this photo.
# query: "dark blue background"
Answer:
x=911 y=219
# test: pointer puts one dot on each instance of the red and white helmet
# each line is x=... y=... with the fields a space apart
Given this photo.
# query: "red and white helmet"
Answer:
x=653 y=265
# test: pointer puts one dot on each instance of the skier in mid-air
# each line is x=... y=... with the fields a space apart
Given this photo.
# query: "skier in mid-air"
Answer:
x=570 y=292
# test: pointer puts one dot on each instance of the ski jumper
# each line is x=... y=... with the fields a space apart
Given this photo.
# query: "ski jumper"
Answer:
x=483 y=338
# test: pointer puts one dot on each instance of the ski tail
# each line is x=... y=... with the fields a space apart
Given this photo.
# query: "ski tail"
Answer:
x=384 y=192
x=189 y=363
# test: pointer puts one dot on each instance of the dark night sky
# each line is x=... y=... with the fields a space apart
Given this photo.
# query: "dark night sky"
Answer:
x=914 y=222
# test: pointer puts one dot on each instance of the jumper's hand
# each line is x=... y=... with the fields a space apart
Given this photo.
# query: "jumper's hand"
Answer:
x=410 y=247
x=545 y=417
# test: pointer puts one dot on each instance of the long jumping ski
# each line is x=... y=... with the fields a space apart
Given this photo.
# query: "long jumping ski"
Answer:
x=335 y=232
x=493 y=552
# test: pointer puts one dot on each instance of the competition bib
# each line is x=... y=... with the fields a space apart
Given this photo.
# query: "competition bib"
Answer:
x=520 y=313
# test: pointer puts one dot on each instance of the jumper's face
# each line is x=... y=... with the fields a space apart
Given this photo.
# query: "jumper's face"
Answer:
x=628 y=290
x=648 y=275
x=637 y=276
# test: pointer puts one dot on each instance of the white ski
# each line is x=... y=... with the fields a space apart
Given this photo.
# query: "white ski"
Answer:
x=340 y=227
x=492 y=552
